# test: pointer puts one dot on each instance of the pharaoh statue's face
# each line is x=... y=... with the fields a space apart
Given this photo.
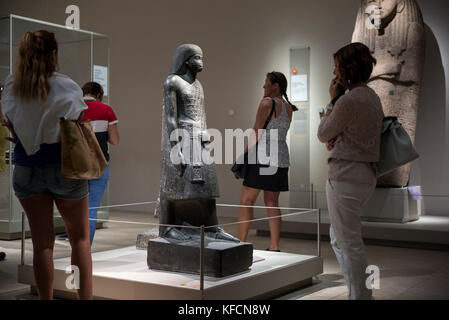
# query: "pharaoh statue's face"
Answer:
x=387 y=9
x=195 y=63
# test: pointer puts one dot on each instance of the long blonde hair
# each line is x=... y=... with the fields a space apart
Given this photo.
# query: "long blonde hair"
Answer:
x=37 y=62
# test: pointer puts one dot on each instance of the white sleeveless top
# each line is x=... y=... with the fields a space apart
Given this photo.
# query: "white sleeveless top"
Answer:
x=282 y=124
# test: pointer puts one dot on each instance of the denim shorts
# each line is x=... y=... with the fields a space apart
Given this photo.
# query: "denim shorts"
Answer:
x=31 y=181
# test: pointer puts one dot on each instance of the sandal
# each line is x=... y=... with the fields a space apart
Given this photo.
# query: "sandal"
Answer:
x=268 y=249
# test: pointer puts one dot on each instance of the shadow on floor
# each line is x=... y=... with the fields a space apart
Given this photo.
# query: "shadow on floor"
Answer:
x=320 y=282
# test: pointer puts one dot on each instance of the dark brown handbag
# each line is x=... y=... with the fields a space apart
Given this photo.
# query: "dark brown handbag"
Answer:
x=82 y=157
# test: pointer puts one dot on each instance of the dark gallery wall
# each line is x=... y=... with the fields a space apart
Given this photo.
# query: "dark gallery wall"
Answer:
x=241 y=40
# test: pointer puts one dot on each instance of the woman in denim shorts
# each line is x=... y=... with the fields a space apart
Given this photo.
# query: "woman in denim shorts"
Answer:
x=34 y=100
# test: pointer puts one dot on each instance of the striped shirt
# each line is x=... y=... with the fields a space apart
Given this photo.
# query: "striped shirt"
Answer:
x=101 y=117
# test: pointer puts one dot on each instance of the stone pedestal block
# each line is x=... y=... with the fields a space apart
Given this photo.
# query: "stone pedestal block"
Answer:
x=392 y=205
x=221 y=258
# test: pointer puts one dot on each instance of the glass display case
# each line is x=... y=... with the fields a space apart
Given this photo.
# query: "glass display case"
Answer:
x=83 y=56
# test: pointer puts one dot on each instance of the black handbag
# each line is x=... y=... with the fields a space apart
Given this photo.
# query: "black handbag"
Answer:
x=240 y=169
x=396 y=147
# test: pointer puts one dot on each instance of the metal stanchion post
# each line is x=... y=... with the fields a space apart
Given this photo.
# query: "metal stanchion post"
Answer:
x=22 y=254
x=319 y=233
x=202 y=262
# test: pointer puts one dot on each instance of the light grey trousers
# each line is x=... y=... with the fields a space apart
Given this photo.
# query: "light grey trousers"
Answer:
x=345 y=200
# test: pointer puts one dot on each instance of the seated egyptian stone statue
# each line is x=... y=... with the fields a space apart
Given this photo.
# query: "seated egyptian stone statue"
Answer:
x=188 y=186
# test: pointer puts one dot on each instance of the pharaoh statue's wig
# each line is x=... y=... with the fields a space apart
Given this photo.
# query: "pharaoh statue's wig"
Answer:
x=183 y=53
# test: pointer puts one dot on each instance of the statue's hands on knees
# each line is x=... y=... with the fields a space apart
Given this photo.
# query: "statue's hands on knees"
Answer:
x=392 y=69
x=181 y=167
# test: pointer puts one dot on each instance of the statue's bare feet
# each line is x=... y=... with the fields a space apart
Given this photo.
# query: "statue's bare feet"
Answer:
x=173 y=233
x=220 y=234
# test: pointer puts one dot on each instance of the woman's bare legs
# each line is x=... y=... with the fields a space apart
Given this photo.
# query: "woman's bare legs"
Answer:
x=75 y=214
x=248 y=198
x=272 y=200
x=39 y=211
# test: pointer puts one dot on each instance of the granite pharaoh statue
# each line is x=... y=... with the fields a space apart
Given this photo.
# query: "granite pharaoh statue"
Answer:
x=188 y=185
x=394 y=32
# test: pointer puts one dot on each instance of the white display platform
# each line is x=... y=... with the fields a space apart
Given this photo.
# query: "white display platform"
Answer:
x=429 y=232
x=123 y=274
